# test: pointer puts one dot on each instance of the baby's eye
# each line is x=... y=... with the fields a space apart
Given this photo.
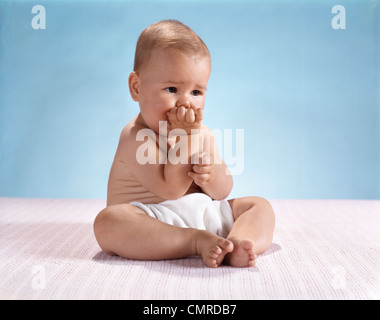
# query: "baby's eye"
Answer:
x=196 y=93
x=171 y=89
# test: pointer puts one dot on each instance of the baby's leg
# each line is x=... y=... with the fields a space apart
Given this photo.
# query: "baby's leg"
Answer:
x=252 y=231
x=126 y=231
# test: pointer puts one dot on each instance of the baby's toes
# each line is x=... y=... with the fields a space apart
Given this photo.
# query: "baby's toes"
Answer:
x=215 y=253
x=181 y=114
x=199 y=115
x=247 y=245
x=252 y=260
x=172 y=115
x=190 y=116
x=226 y=245
x=251 y=263
x=211 y=262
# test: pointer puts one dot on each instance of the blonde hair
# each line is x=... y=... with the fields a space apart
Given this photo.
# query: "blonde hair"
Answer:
x=168 y=34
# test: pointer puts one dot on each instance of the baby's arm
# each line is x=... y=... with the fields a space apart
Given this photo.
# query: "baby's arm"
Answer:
x=212 y=174
x=165 y=180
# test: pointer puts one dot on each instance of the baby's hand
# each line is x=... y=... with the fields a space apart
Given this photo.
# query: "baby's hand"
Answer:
x=185 y=118
x=203 y=173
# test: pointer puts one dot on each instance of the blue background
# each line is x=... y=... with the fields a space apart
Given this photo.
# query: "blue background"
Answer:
x=306 y=95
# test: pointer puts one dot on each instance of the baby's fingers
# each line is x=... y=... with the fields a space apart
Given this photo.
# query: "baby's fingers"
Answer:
x=201 y=169
x=200 y=179
x=206 y=159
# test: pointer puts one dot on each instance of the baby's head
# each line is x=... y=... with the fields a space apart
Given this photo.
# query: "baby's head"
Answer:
x=172 y=67
x=168 y=35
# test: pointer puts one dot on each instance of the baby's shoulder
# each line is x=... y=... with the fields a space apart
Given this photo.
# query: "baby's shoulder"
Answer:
x=133 y=135
x=206 y=130
x=134 y=130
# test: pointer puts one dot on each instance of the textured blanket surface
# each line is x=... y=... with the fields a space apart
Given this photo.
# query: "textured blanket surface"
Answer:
x=322 y=249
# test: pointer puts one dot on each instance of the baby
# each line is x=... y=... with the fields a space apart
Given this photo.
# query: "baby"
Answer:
x=164 y=206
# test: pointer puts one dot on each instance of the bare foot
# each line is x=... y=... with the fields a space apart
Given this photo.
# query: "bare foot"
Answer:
x=243 y=254
x=212 y=248
x=185 y=118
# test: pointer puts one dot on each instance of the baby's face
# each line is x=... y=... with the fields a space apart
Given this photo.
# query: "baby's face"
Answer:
x=168 y=80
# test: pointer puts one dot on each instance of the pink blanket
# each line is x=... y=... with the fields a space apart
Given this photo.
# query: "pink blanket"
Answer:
x=322 y=249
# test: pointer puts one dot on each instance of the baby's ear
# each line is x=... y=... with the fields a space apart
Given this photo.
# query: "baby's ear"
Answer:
x=134 y=85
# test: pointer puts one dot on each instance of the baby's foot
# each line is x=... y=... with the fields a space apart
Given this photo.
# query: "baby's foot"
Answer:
x=243 y=254
x=212 y=248
x=185 y=118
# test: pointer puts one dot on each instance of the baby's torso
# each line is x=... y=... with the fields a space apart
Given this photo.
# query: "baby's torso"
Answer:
x=123 y=187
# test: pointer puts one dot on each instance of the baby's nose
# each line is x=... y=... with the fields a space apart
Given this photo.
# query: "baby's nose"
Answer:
x=183 y=102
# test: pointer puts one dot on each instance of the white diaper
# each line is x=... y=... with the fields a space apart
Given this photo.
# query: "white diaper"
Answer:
x=195 y=210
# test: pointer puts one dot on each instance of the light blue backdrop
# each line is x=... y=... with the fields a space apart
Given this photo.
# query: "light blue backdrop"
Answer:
x=306 y=95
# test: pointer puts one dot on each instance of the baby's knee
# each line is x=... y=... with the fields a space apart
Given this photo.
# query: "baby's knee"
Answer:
x=248 y=203
x=101 y=221
x=263 y=205
x=101 y=228
x=106 y=223
x=262 y=202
